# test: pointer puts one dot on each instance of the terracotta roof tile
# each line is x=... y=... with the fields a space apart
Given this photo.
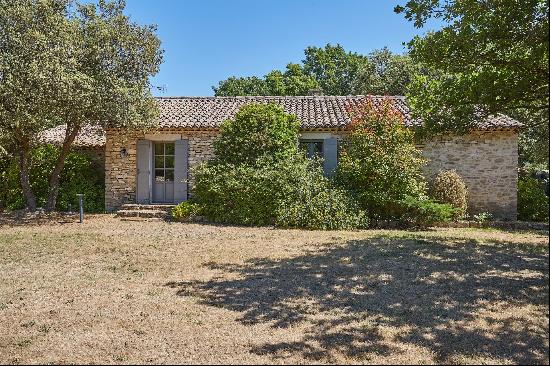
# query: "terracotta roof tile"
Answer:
x=312 y=111
x=90 y=136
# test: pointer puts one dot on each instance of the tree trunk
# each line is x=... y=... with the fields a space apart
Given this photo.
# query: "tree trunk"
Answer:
x=70 y=136
x=24 y=175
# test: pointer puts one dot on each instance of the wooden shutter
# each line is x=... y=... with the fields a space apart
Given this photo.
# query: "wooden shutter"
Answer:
x=180 y=170
x=143 y=194
x=330 y=155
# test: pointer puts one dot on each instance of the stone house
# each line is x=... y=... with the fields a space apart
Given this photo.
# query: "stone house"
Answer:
x=156 y=166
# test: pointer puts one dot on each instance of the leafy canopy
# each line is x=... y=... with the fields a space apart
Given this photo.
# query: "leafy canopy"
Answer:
x=63 y=62
x=492 y=57
x=385 y=73
x=37 y=58
x=331 y=69
x=293 y=81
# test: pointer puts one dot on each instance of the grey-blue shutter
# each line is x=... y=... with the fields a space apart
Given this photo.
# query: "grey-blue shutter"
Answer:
x=330 y=155
x=180 y=170
x=143 y=194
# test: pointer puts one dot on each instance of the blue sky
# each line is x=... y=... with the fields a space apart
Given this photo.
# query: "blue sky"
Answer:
x=206 y=41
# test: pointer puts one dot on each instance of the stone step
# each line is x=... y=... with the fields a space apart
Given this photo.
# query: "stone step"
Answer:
x=144 y=207
x=149 y=213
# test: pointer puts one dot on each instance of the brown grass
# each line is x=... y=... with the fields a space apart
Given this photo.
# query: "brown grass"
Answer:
x=112 y=291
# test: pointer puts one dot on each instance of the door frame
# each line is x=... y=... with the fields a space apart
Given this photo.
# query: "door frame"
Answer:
x=151 y=139
x=153 y=172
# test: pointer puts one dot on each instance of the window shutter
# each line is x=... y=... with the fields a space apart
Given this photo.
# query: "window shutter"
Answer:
x=180 y=170
x=330 y=155
x=143 y=171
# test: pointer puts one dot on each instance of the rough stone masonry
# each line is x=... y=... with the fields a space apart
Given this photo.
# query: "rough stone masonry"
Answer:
x=486 y=160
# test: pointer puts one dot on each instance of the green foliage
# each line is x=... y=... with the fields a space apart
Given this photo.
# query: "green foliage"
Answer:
x=448 y=187
x=292 y=82
x=79 y=176
x=257 y=130
x=5 y=161
x=68 y=63
x=289 y=192
x=492 y=57
x=532 y=201
x=63 y=62
x=246 y=194
x=185 y=211
x=334 y=71
x=261 y=178
x=385 y=73
x=424 y=212
x=379 y=162
x=533 y=138
x=318 y=205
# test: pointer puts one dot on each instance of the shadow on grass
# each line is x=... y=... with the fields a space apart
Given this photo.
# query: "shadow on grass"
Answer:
x=448 y=297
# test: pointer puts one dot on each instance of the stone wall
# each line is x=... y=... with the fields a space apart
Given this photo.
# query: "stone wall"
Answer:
x=486 y=161
x=121 y=171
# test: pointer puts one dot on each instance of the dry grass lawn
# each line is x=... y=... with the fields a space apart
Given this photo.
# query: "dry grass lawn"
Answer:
x=112 y=291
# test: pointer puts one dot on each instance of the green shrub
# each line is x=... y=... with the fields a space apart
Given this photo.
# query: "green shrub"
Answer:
x=78 y=176
x=379 y=162
x=292 y=193
x=330 y=209
x=314 y=203
x=532 y=201
x=425 y=212
x=448 y=187
x=245 y=194
x=185 y=211
x=261 y=178
x=257 y=130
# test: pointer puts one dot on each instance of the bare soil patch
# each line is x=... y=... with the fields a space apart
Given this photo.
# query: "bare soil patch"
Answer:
x=113 y=291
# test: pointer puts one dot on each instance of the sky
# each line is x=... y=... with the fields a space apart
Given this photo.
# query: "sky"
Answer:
x=206 y=41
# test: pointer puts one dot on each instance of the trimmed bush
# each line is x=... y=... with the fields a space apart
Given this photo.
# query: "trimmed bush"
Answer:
x=425 y=212
x=532 y=201
x=448 y=187
x=185 y=211
x=78 y=176
x=256 y=131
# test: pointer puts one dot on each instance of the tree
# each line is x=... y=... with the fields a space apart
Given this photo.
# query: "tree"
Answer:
x=292 y=82
x=35 y=56
x=386 y=73
x=240 y=86
x=492 y=56
x=334 y=69
x=297 y=82
x=72 y=64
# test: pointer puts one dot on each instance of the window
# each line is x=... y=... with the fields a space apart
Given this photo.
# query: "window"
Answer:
x=312 y=148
